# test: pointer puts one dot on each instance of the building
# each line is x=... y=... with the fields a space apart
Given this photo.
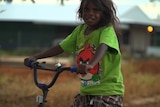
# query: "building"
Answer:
x=141 y=34
x=40 y=26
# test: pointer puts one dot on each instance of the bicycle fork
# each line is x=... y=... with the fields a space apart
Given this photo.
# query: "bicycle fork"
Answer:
x=41 y=100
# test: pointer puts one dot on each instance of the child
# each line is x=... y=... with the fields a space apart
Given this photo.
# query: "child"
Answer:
x=98 y=56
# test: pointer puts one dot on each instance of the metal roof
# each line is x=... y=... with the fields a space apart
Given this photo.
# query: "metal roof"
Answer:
x=66 y=14
x=136 y=15
x=39 y=13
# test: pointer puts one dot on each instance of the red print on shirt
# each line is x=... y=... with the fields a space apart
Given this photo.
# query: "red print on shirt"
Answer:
x=85 y=57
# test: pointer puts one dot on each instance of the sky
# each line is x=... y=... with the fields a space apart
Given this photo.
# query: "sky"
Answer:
x=129 y=2
x=119 y=1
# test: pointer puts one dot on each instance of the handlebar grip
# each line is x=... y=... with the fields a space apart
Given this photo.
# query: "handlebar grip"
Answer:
x=30 y=63
x=73 y=69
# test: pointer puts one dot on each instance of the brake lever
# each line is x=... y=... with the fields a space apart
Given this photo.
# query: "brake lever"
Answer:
x=41 y=64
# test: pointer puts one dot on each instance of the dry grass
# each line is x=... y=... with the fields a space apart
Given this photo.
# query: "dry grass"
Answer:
x=138 y=83
x=18 y=89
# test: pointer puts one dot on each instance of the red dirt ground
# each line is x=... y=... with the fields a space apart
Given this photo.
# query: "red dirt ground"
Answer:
x=23 y=71
x=151 y=66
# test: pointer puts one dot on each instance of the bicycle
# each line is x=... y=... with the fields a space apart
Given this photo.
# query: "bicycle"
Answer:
x=41 y=99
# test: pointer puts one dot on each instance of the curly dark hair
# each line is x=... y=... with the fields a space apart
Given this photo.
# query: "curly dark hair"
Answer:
x=108 y=10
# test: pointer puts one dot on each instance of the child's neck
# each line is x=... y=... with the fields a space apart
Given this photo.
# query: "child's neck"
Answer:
x=89 y=30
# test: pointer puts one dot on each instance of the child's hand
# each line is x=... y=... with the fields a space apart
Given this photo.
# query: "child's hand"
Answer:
x=28 y=61
x=84 y=68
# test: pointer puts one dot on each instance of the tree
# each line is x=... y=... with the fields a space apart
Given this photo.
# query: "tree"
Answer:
x=33 y=1
x=10 y=1
x=62 y=2
x=154 y=0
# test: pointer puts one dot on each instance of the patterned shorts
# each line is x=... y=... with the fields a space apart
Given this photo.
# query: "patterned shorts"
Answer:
x=98 y=101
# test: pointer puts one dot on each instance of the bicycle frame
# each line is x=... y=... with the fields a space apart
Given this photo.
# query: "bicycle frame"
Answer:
x=45 y=87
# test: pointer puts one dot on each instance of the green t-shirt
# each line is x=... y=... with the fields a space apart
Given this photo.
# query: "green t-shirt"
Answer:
x=106 y=77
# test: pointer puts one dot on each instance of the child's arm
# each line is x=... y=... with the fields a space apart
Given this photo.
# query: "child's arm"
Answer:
x=101 y=50
x=48 y=53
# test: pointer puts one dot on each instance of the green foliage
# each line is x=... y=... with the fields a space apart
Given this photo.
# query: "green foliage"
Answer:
x=27 y=52
x=146 y=79
x=19 y=52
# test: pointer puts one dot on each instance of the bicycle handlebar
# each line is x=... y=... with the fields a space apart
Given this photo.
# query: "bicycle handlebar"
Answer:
x=58 y=70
